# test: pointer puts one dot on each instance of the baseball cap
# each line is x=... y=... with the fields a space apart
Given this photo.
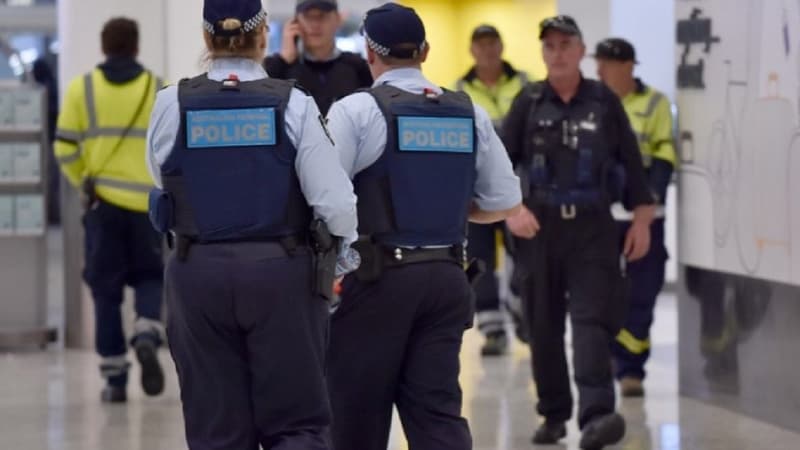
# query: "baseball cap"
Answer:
x=616 y=49
x=485 y=30
x=324 y=5
x=562 y=23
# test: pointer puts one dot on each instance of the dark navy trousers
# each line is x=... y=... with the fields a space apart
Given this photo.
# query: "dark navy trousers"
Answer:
x=248 y=339
x=572 y=267
x=121 y=248
x=397 y=342
x=483 y=246
x=631 y=348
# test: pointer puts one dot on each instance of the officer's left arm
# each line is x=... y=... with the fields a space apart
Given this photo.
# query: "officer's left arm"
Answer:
x=662 y=150
x=497 y=189
x=326 y=186
x=162 y=131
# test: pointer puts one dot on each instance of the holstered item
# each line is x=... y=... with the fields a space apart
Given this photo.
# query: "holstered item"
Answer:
x=161 y=210
x=475 y=270
x=376 y=258
x=325 y=247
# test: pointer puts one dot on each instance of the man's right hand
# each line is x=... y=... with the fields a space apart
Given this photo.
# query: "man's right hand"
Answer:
x=291 y=30
x=524 y=224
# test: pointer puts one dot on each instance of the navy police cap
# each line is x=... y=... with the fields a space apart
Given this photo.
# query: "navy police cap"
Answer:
x=249 y=12
x=394 y=30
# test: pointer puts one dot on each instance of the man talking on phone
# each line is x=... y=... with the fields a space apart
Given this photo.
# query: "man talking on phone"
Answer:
x=309 y=55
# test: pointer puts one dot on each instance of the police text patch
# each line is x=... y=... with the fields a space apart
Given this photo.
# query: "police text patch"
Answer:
x=436 y=134
x=230 y=128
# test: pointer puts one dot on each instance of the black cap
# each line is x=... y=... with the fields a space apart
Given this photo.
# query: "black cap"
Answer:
x=562 y=23
x=391 y=25
x=324 y=5
x=485 y=30
x=616 y=49
x=249 y=12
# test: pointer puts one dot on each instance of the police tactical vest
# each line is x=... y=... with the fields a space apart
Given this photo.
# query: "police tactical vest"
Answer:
x=418 y=193
x=568 y=155
x=231 y=173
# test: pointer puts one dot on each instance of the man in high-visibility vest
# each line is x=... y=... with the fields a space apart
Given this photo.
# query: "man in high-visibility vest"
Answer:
x=100 y=147
x=650 y=115
x=492 y=83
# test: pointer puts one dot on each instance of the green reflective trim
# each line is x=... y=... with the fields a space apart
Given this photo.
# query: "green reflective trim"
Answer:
x=72 y=137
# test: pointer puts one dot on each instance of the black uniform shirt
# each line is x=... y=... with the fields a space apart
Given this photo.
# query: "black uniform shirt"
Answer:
x=326 y=81
x=616 y=127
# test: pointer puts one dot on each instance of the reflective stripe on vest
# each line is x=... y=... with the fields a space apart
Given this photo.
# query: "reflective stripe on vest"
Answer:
x=94 y=130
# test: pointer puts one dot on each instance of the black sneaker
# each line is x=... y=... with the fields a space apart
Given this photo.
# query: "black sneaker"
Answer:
x=114 y=394
x=602 y=431
x=496 y=344
x=152 y=374
x=549 y=433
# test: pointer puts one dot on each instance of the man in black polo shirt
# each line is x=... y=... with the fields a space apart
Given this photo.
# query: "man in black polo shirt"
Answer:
x=309 y=55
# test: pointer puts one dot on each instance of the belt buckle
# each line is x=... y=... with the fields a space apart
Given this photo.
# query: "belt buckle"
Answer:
x=569 y=212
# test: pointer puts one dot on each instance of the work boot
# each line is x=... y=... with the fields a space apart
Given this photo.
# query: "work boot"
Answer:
x=114 y=394
x=549 y=433
x=496 y=344
x=631 y=387
x=602 y=431
x=152 y=374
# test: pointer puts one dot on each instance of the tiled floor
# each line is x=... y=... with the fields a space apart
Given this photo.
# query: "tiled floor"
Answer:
x=49 y=401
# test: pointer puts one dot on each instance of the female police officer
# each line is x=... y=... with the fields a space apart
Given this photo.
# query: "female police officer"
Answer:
x=245 y=162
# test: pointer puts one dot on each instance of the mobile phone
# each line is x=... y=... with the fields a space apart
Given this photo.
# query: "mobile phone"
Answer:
x=298 y=42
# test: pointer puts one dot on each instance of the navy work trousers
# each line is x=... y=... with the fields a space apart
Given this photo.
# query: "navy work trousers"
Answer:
x=631 y=348
x=483 y=246
x=572 y=266
x=397 y=342
x=121 y=248
x=248 y=339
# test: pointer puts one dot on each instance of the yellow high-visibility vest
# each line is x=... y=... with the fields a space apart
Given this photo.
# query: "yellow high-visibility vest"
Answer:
x=650 y=114
x=497 y=99
x=91 y=138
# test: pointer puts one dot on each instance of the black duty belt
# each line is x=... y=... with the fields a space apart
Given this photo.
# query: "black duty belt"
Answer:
x=288 y=244
x=398 y=256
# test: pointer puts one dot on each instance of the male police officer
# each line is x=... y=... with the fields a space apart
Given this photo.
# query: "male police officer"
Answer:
x=424 y=161
x=570 y=138
x=245 y=165
x=651 y=118
x=493 y=84
x=100 y=147
x=328 y=73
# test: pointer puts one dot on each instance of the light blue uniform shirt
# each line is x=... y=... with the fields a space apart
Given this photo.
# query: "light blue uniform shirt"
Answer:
x=325 y=185
x=359 y=129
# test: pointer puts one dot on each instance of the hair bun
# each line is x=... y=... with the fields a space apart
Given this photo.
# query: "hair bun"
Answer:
x=231 y=24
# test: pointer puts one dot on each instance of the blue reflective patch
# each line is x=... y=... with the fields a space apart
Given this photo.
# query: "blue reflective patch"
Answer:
x=436 y=134
x=230 y=128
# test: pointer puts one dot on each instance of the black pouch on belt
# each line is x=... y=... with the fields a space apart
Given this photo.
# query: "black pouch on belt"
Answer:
x=371 y=267
x=324 y=256
x=475 y=270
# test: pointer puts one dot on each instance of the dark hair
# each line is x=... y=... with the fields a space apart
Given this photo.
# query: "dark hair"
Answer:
x=239 y=44
x=120 y=37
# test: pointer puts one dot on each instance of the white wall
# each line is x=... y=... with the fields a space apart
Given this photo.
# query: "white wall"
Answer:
x=593 y=17
x=650 y=26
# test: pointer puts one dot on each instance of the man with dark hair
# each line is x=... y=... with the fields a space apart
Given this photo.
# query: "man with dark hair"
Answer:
x=100 y=143
x=309 y=55
x=650 y=114
x=492 y=83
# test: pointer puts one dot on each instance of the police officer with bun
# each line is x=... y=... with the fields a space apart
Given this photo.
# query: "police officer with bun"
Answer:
x=574 y=149
x=246 y=165
x=424 y=161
